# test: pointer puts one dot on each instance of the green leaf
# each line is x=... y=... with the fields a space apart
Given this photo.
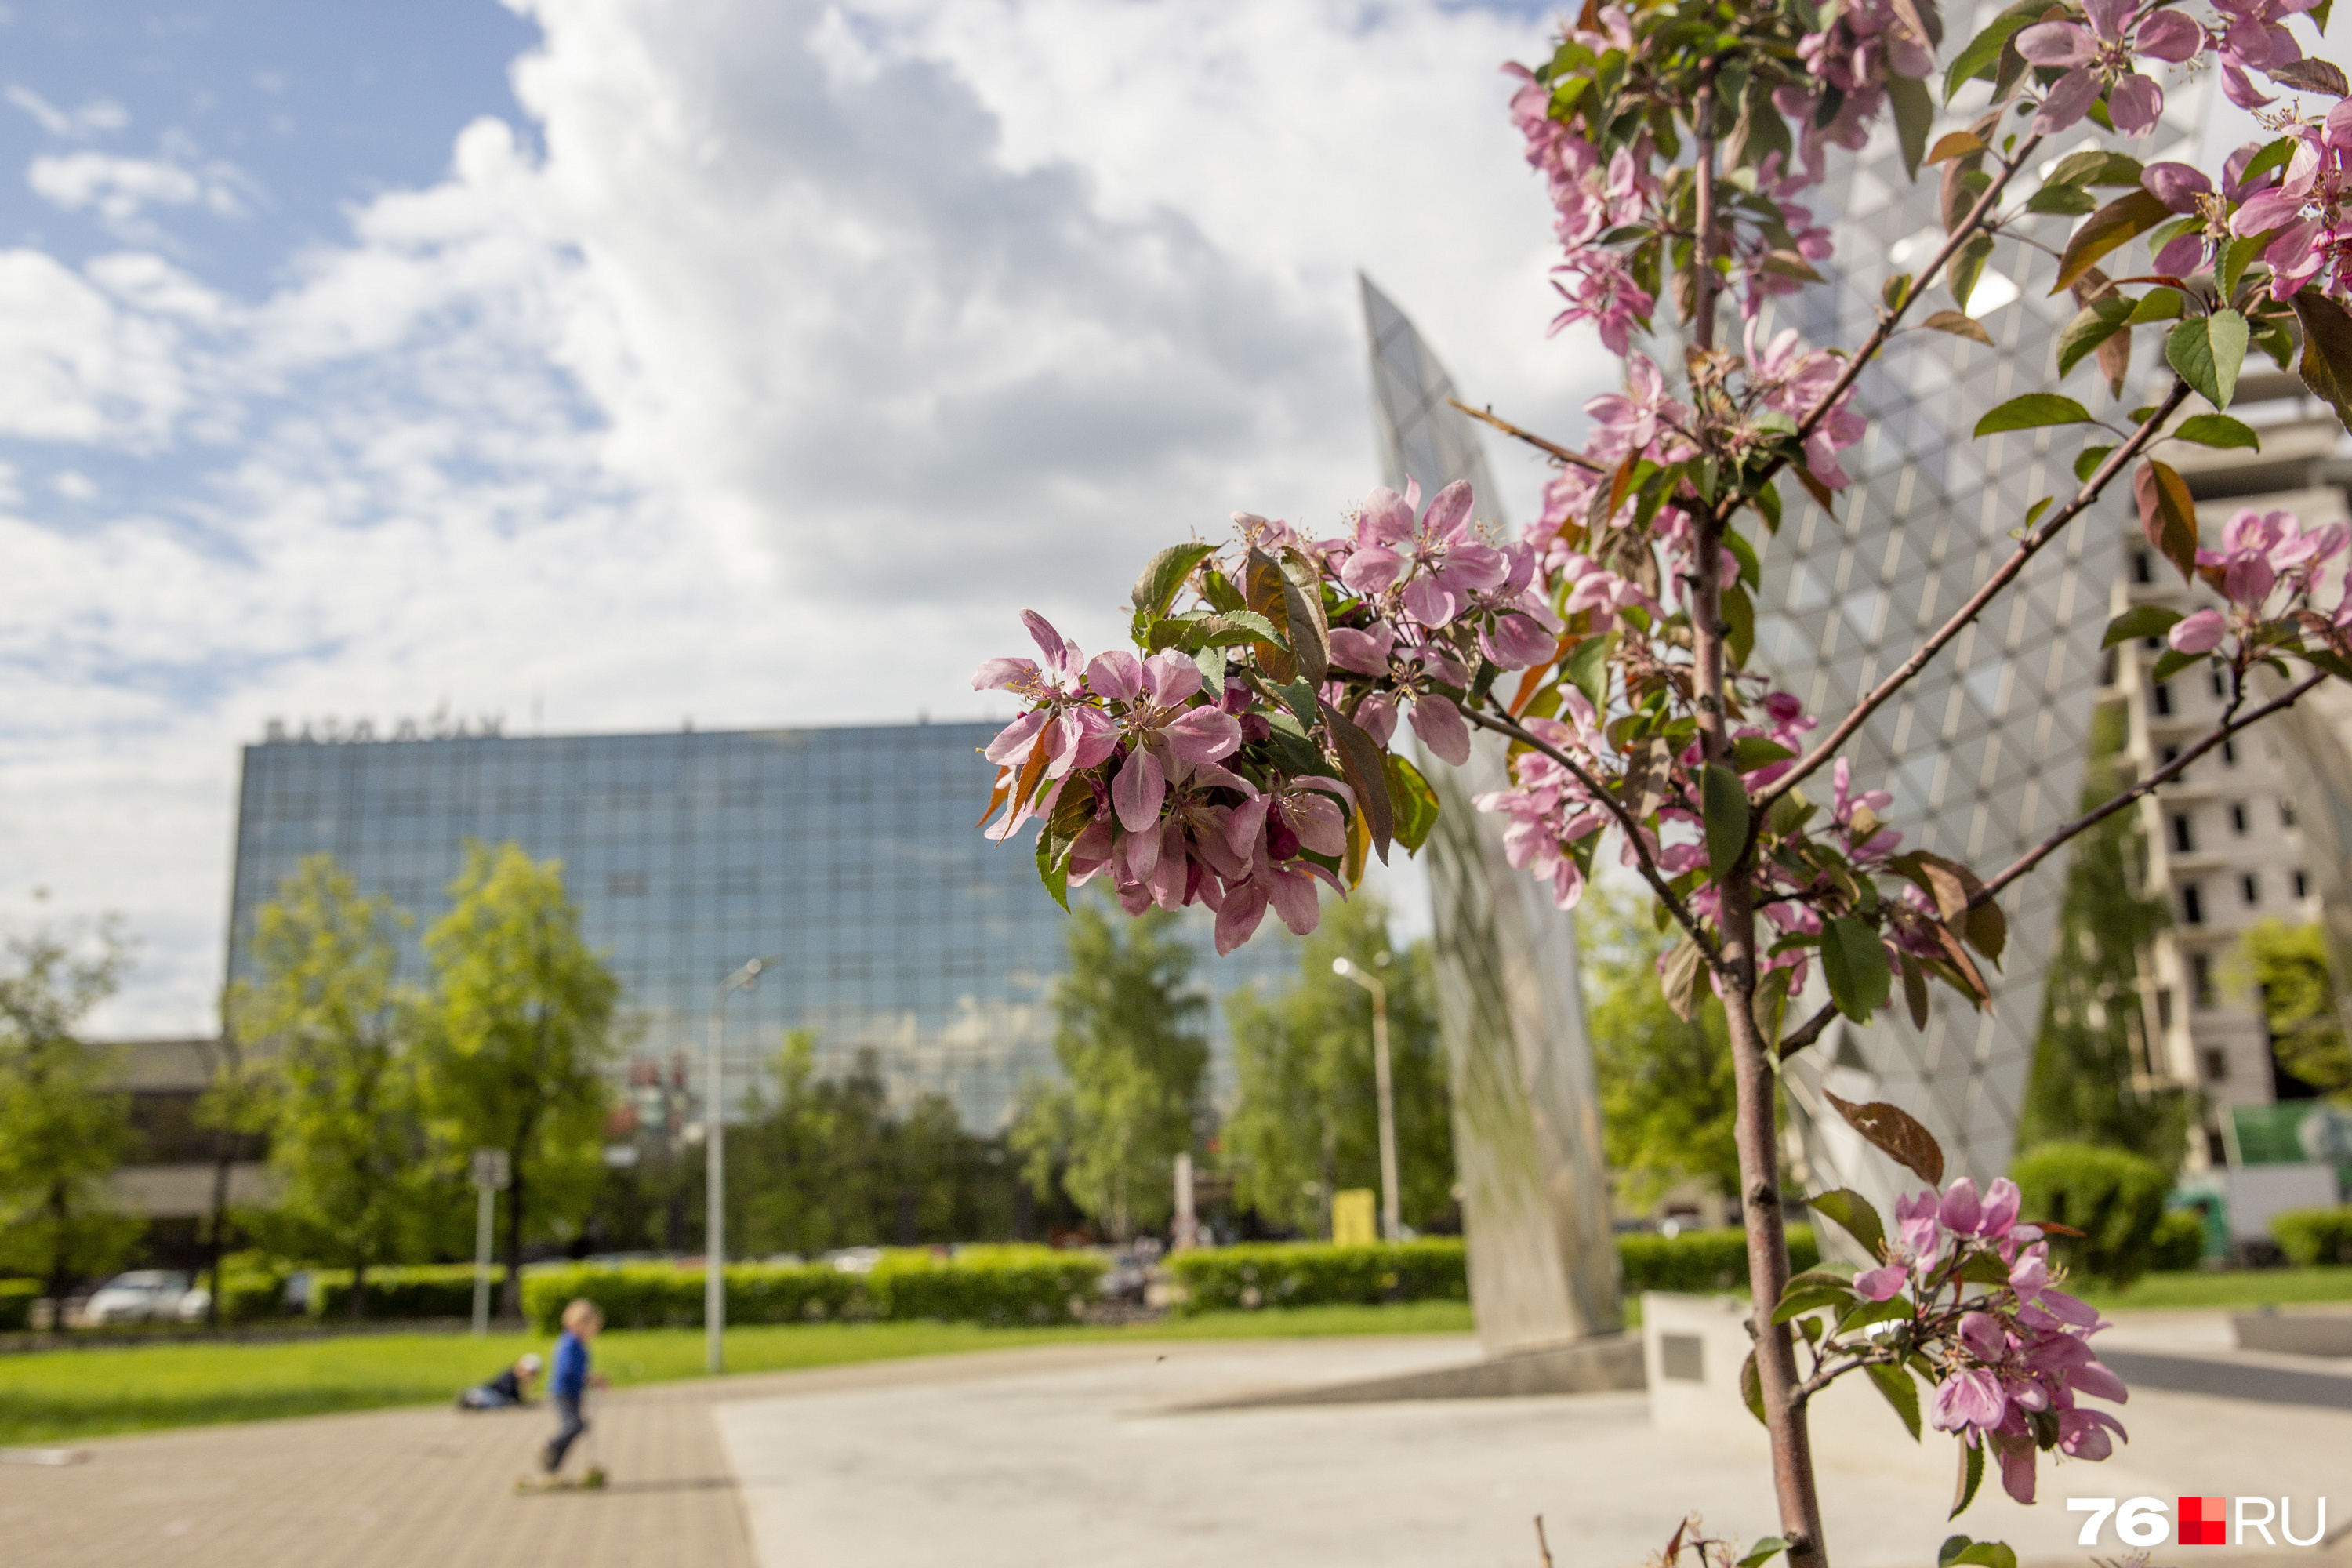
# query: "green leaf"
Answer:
x=2218 y=430
x=1979 y=55
x=1415 y=802
x=1797 y=1302
x=2171 y=662
x=1751 y=1389
x=2093 y=166
x=1679 y=979
x=2159 y=305
x=1959 y=1551
x=2140 y=620
x=1868 y=1314
x=2094 y=324
x=1360 y=760
x=1587 y=668
x=1972 y=1477
x=1968 y=267
x=1157 y=588
x=1210 y=663
x=1725 y=802
x=2273 y=155
x=1855 y=966
x=1914 y=116
x=1960 y=326
x=1895 y=291
x=1763 y=1552
x=2326 y=363
x=2206 y=350
x=1854 y=1214
x=2087 y=461
x=2066 y=201
x=2125 y=217
x=1227 y=630
x=2033 y=409
x=1903 y=1393
x=2232 y=263
x=2167 y=515
x=1740 y=614
x=1752 y=751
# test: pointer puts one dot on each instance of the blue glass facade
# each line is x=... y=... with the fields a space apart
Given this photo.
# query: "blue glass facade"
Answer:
x=849 y=854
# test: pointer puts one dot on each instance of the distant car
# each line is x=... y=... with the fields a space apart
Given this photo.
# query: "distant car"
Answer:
x=195 y=1305
x=854 y=1259
x=141 y=1296
x=1126 y=1278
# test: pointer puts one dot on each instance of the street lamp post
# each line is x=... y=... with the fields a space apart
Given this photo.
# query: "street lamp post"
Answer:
x=1391 y=1219
x=714 y=1144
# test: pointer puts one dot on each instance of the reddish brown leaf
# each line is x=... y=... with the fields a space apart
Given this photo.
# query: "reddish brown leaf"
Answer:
x=1897 y=1135
x=2168 y=516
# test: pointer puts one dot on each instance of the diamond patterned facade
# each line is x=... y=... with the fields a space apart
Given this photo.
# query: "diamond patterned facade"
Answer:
x=1984 y=751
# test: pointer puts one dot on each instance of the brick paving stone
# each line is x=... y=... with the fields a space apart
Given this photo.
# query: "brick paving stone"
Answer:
x=430 y=1486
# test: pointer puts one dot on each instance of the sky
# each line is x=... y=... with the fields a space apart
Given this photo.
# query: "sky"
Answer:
x=603 y=365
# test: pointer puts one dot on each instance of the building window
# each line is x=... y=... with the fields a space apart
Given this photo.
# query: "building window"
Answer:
x=2143 y=566
x=2184 y=833
x=2286 y=813
x=2221 y=685
x=2151 y=644
x=2200 y=979
x=2160 y=699
x=2302 y=886
x=2229 y=754
x=2238 y=817
x=626 y=885
x=2217 y=1064
x=2168 y=756
x=2164 y=1007
x=2192 y=905
x=2250 y=885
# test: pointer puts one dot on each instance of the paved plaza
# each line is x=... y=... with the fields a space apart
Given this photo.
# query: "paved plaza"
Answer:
x=1085 y=1454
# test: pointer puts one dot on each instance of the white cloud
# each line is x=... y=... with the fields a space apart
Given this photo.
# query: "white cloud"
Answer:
x=99 y=114
x=120 y=191
x=817 y=343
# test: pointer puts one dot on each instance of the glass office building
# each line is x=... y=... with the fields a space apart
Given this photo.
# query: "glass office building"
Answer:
x=848 y=854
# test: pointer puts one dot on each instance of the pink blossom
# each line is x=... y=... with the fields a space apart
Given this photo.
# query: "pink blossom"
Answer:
x=2199 y=632
x=1441 y=728
x=1440 y=561
x=1641 y=420
x=2099 y=57
x=1159 y=727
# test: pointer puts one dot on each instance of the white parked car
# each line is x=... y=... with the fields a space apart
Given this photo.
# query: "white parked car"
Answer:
x=141 y=1296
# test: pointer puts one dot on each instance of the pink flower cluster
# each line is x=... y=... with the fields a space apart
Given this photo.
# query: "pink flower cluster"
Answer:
x=1588 y=200
x=2253 y=36
x=1852 y=57
x=1173 y=788
x=2262 y=554
x=2099 y=57
x=2006 y=1358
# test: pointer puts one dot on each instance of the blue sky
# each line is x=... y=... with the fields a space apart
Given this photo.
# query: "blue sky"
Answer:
x=619 y=363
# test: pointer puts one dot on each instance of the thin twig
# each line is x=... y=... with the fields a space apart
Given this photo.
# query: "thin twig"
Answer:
x=1811 y=1030
x=1966 y=615
x=2163 y=775
x=1541 y=1545
x=1631 y=830
x=1489 y=416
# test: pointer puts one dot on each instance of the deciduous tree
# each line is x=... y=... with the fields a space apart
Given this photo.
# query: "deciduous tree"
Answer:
x=518 y=1039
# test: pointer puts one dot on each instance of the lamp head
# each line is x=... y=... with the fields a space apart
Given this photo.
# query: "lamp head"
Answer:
x=1341 y=966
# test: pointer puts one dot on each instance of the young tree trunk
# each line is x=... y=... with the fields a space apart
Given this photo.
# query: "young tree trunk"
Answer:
x=60 y=1258
x=512 y=1303
x=1755 y=1133
x=224 y=1149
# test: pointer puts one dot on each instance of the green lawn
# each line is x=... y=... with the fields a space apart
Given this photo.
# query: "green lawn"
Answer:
x=2243 y=1289
x=53 y=1395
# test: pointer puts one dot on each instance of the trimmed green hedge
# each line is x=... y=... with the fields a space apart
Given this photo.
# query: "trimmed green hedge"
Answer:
x=980 y=1284
x=428 y=1291
x=2311 y=1236
x=2179 y=1241
x=17 y=1299
x=2114 y=1198
x=1318 y=1274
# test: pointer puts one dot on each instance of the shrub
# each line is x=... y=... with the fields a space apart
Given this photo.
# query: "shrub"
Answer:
x=2309 y=1237
x=431 y=1291
x=253 y=1287
x=2179 y=1241
x=1316 y=1274
x=2116 y=1199
x=17 y=1299
x=980 y=1284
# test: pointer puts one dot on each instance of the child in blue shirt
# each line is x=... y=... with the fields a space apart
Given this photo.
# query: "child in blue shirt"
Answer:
x=571 y=1378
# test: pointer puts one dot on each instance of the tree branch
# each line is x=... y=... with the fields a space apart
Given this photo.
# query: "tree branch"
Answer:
x=1992 y=589
x=1487 y=415
x=2162 y=776
x=1631 y=830
x=1810 y=1031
